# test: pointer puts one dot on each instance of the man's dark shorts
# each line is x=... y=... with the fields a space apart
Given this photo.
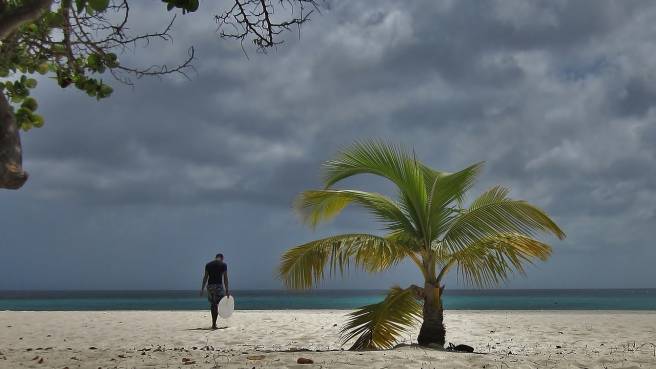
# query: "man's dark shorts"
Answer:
x=215 y=293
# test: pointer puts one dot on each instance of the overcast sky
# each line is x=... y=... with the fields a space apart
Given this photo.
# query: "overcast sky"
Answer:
x=140 y=190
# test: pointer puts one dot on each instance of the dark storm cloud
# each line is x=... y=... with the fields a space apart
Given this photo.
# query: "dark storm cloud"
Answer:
x=556 y=96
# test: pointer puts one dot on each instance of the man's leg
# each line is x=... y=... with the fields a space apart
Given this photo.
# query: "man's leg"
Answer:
x=215 y=314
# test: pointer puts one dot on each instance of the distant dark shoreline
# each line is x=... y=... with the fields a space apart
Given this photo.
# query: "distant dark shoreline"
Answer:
x=27 y=294
x=465 y=299
x=334 y=289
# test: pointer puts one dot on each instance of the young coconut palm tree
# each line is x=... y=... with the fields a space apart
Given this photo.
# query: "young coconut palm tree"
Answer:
x=428 y=224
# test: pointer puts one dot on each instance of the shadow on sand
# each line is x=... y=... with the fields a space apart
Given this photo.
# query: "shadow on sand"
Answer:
x=206 y=329
x=435 y=348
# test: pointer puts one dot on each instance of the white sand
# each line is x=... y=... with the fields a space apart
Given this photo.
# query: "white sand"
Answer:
x=502 y=340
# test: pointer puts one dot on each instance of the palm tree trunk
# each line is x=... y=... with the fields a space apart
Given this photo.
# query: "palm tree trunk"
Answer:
x=432 y=332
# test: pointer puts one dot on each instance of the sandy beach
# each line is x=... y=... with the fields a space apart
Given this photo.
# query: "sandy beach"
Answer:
x=276 y=339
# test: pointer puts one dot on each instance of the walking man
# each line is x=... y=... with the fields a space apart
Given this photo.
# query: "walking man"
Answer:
x=216 y=279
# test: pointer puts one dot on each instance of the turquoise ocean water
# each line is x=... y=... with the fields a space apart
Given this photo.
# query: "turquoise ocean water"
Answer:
x=617 y=299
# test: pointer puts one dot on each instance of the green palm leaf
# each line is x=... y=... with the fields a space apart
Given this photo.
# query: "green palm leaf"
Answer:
x=373 y=157
x=493 y=213
x=377 y=326
x=322 y=205
x=305 y=265
x=491 y=260
x=446 y=189
x=387 y=161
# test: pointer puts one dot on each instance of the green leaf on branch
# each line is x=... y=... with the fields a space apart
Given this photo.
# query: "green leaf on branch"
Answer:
x=111 y=60
x=105 y=91
x=79 y=5
x=54 y=19
x=98 y=5
x=30 y=104
x=37 y=120
x=58 y=49
x=30 y=83
x=93 y=60
x=43 y=68
x=186 y=5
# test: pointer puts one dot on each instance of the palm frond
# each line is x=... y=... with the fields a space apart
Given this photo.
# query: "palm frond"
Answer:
x=493 y=213
x=305 y=265
x=370 y=157
x=387 y=161
x=430 y=174
x=322 y=205
x=446 y=189
x=493 y=259
x=377 y=326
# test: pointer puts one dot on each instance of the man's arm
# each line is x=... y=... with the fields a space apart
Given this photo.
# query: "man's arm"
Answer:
x=202 y=287
x=225 y=283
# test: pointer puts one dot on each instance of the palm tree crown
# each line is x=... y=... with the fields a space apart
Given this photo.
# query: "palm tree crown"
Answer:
x=427 y=223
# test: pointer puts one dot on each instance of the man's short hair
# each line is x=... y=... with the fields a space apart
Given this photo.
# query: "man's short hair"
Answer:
x=219 y=256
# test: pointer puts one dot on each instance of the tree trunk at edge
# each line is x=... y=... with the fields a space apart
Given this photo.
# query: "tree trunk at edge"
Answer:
x=12 y=175
x=432 y=332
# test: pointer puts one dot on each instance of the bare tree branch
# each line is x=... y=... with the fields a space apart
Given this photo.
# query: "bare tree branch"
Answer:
x=255 y=19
